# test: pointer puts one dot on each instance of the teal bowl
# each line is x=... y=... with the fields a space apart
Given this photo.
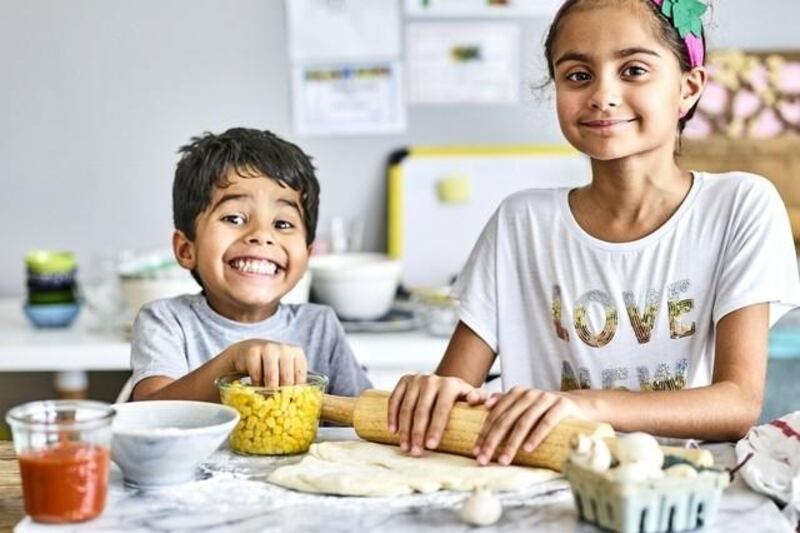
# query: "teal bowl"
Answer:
x=52 y=315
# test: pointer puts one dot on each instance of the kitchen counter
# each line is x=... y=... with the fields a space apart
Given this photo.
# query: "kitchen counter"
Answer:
x=232 y=496
x=23 y=348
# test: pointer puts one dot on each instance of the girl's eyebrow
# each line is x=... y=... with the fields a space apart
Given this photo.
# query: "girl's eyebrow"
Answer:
x=619 y=54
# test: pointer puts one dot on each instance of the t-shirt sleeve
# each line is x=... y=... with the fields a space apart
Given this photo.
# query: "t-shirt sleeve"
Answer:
x=347 y=377
x=158 y=345
x=476 y=286
x=759 y=262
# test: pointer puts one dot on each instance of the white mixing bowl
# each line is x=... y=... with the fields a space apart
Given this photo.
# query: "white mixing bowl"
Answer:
x=162 y=442
x=359 y=286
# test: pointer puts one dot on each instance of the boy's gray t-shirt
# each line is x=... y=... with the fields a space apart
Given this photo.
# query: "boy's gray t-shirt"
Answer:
x=173 y=336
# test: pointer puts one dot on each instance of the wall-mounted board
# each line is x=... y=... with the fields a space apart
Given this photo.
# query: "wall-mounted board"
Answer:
x=441 y=197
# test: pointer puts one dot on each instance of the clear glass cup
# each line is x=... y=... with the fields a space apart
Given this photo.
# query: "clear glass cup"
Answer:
x=274 y=421
x=63 y=448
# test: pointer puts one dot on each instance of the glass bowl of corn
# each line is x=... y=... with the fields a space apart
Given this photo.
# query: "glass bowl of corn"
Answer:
x=274 y=421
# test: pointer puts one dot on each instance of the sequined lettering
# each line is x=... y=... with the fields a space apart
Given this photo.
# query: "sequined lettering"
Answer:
x=596 y=340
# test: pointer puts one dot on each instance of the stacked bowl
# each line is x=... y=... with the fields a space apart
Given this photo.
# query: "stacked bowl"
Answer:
x=52 y=291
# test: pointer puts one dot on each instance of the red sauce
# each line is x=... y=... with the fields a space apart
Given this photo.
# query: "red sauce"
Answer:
x=67 y=482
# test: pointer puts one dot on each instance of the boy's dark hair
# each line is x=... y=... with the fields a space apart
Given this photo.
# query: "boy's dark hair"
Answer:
x=662 y=28
x=206 y=160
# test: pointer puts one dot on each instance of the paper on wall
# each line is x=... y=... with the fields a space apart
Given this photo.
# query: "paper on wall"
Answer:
x=481 y=8
x=348 y=98
x=458 y=63
x=326 y=30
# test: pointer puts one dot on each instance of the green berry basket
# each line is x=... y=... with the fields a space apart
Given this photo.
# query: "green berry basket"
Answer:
x=653 y=506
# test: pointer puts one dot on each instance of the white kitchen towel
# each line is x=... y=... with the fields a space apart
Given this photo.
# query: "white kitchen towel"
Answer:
x=775 y=466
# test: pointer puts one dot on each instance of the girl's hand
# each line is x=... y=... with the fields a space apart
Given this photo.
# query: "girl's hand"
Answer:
x=521 y=417
x=420 y=406
x=268 y=363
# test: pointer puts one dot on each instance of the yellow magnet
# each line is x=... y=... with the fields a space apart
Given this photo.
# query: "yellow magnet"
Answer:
x=454 y=189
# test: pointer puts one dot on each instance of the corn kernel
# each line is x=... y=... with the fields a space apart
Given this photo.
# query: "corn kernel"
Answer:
x=283 y=422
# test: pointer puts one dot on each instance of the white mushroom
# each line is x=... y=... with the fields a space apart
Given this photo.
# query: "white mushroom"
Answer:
x=634 y=473
x=580 y=444
x=590 y=452
x=481 y=508
x=639 y=448
x=681 y=471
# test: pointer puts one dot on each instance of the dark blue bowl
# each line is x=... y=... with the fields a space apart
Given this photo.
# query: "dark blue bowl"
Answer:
x=52 y=315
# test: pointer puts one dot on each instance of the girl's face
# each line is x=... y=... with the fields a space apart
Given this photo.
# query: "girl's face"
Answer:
x=250 y=247
x=619 y=89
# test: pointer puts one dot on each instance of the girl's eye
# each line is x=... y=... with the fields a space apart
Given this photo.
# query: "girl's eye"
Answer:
x=236 y=220
x=634 y=71
x=283 y=224
x=579 y=76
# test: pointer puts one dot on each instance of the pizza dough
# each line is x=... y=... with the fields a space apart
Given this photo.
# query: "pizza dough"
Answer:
x=357 y=468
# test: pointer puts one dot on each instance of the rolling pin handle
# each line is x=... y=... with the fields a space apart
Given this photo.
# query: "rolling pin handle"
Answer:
x=338 y=409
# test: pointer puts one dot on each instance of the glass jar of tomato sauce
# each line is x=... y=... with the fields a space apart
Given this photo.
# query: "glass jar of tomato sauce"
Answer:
x=63 y=452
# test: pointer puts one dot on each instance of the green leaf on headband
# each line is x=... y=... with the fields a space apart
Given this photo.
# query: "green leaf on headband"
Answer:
x=685 y=15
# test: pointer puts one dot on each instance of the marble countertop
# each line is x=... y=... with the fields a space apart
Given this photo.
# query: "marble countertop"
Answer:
x=230 y=495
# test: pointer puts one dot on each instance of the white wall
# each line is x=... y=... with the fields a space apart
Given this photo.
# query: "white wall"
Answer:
x=97 y=95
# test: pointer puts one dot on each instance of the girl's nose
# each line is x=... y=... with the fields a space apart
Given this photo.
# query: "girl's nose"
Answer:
x=605 y=96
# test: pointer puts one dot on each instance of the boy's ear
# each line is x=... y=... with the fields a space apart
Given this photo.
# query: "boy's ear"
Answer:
x=184 y=251
x=694 y=82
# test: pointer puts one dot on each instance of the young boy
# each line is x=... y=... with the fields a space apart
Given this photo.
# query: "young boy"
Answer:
x=245 y=211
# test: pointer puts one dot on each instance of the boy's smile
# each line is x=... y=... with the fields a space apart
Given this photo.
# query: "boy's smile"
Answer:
x=250 y=247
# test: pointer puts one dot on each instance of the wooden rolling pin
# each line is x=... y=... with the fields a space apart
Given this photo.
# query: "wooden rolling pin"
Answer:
x=368 y=414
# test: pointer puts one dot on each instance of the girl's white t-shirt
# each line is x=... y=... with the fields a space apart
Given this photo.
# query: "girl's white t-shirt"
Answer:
x=564 y=310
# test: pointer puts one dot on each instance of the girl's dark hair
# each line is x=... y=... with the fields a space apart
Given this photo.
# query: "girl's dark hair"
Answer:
x=207 y=159
x=662 y=27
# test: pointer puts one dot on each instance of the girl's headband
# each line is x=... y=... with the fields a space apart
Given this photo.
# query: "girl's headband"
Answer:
x=685 y=16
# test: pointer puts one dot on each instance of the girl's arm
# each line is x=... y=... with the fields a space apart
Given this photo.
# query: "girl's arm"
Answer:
x=420 y=404
x=724 y=410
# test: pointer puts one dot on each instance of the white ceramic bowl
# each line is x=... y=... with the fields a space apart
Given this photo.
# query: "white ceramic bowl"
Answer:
x=138 y=291
x=359 y=286
x=161 y=442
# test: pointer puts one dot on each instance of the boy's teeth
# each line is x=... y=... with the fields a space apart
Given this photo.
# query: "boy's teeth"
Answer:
x=255 y=266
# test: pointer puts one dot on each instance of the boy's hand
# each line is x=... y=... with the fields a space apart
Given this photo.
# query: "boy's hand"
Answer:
x=268 y=363
x=420 y=406
x=521 y=417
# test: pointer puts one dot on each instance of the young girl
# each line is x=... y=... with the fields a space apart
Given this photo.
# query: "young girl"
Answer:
x=642 y=299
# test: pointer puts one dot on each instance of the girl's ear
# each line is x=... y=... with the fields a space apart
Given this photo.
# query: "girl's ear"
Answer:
x=692 y=86
x=184 y=250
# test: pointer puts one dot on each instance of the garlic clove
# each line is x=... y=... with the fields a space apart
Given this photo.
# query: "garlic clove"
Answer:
x=482 y=508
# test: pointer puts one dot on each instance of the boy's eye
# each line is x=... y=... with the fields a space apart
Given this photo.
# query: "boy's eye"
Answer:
x=284 y=224
x=579 y=76
x=634 y=70
x=236 y=219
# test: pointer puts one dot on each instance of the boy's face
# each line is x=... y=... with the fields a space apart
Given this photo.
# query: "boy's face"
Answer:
x=249 y=248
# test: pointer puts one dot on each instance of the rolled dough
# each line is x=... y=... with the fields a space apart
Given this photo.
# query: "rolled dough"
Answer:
x=357 y=468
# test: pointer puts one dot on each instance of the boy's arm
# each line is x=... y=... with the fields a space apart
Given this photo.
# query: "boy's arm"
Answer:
x=724 y=410
x=268 y=363
x=196 y=385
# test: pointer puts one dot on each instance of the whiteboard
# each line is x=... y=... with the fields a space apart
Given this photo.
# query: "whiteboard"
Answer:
x=432 y=237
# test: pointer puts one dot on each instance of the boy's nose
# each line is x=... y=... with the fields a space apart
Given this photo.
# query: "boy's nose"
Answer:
x=260 y=238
